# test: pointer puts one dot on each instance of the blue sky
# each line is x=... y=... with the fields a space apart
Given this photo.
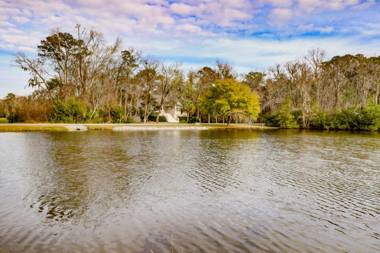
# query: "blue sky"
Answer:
x=250 y=35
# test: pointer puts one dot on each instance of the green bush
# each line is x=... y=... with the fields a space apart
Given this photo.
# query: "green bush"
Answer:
x=367 y=118
x=320 y=121
x=297 y=116
x=287 y=120
x=372 y=117
x=3 y=120
x=281 y=119
x=185 y=119
x=355 y=118
x=284 y=117
x=130 y=120
x=69 y=110
x=14 y=116
x=182 y=119
x=153 y=117
x=270 y=119
x=116 y=114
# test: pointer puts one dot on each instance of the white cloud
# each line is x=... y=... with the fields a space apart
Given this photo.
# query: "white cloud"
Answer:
x=281 y=15
x=278 y=3
x=189 y=28
x=311 y=5
x=182 y=9
x=248 y=54
x=207 y=29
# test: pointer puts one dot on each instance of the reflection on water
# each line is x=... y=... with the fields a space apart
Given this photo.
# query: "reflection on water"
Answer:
x=190 y=191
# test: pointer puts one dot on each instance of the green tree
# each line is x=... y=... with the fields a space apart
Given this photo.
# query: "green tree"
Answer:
x=147 y=78
x=11 y=107
x=254 y=80
x=232 y=99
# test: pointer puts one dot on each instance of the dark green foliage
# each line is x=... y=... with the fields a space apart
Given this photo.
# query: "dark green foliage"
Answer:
x=285 y=117
x=282 y=119
x=130 y=120
x=320 y=121
x=270 y=119
x=153 y=117
x=116 y=114
x=355 y=118
x=185 y=119
x=14 y=117
x=70 y=110
x=11 y=108
x=367 y=118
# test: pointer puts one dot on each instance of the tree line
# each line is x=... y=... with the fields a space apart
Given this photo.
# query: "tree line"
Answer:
x=340 y=93
x=81 y=78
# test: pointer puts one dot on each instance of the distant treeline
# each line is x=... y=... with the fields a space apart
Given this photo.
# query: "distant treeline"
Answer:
x=81 y=78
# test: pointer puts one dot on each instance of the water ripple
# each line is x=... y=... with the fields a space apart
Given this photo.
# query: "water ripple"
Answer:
x=190 y=191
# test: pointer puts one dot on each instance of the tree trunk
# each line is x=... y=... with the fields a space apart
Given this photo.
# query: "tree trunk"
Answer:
x=125 y=109
x=208 y=118
x=146 y=111
x=303 y=120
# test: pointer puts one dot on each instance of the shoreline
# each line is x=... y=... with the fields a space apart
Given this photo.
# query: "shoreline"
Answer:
x=121 y=127
x=151 y=126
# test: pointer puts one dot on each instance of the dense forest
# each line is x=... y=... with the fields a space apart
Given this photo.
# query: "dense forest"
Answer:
x=82 y=78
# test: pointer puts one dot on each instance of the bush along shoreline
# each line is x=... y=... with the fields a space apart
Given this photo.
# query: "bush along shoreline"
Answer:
x=353 y=119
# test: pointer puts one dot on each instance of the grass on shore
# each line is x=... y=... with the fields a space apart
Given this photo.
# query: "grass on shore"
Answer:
x=31 y=128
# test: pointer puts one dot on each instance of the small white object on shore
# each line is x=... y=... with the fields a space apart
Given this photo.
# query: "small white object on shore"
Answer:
x=76 y=128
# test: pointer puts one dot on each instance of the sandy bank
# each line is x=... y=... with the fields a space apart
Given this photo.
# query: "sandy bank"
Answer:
x=155 y=128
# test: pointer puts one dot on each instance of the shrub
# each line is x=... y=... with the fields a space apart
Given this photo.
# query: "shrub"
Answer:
x=286 y=118
x=366 y=118
x=153 y=117
x=185 y=119
x=320 y=121
x=69 y=110
x=131 y=120
x=270 y=119
x=3 y=120
x=370 y=118
x=116 y=114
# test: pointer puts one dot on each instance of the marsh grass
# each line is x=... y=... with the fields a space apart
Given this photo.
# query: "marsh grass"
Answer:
x=32 y=128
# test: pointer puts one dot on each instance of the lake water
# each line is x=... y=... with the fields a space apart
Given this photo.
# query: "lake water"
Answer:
x=190 y=191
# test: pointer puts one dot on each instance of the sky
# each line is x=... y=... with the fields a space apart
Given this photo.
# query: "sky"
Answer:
x=248 y=34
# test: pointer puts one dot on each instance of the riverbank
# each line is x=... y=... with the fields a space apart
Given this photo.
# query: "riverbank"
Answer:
x=62 y=127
